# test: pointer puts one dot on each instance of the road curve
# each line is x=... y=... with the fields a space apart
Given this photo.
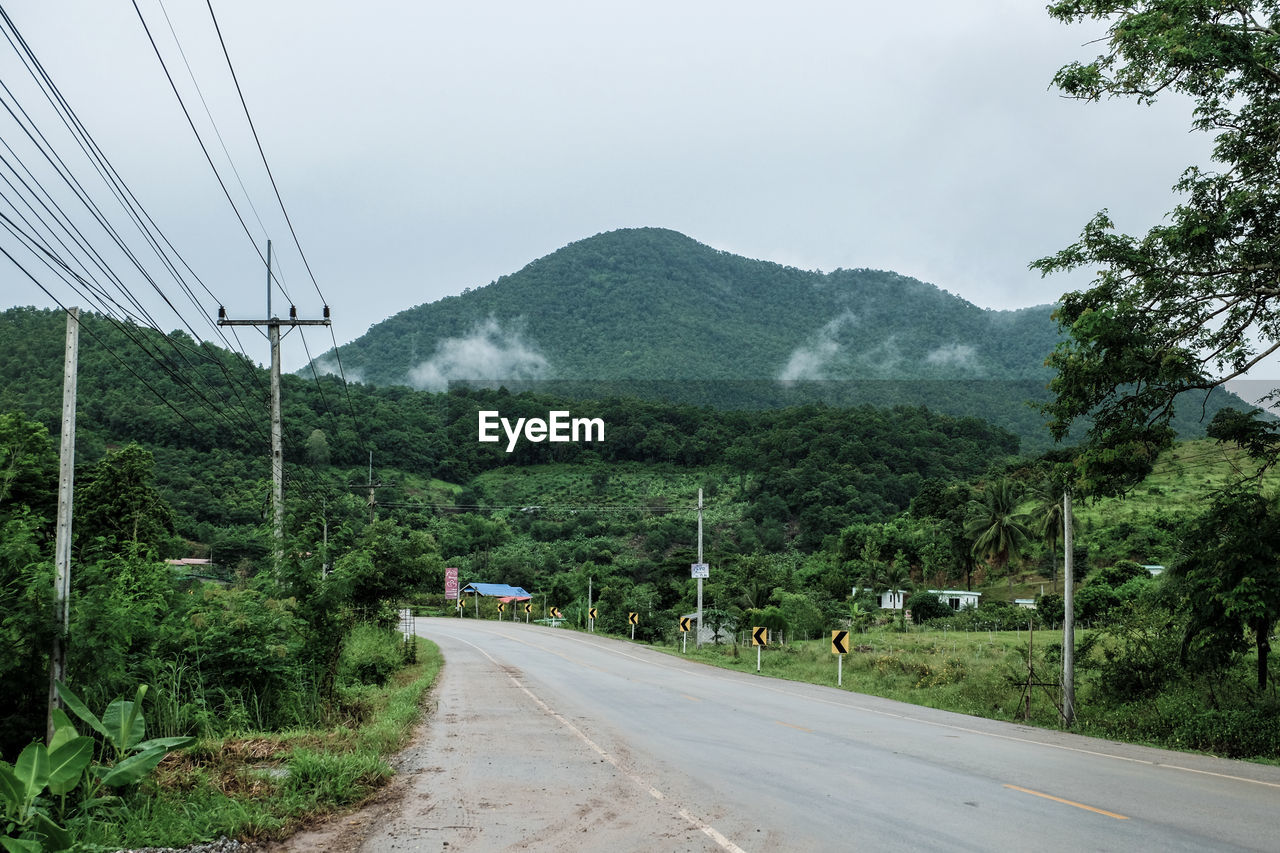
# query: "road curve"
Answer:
x=547 y=739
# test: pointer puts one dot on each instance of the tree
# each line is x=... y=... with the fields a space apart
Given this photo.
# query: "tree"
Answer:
x=869 y=569
x=117 y=505
x=1046 y=524
x=925 y=605
x=1231 y=574
x=898 y=577
x=390 y=562
x=994 y=526
x=318 y=449
x=1194 y=302
x=28 y=466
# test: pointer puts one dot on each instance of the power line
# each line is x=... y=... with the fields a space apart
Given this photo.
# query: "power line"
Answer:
x=284 y=210
x=235 y=78
x=128 y=200
x=199 y=139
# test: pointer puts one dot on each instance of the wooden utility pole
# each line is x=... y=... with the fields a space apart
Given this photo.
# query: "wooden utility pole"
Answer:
x=66 y=492
x=273 y=324
x=1068 y=617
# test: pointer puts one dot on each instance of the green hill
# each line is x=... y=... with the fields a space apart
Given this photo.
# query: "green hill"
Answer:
x=652 y=313
x=650 y=303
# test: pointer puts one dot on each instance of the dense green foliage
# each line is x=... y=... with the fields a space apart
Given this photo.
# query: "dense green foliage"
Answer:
x=1192 y=303
x=262 y=652
x=813 y=468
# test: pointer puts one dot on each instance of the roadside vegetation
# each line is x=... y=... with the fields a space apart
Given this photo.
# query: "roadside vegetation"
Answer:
x=275 y=690
x=1129 y=685
x=264 y=785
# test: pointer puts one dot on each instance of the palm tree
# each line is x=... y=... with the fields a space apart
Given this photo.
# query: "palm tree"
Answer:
x=1046 y=521
x=994 y=525
x=871 y=569
x=898 y=577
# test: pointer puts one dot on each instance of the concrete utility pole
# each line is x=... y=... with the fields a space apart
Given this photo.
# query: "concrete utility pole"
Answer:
x=273 y=324
x=697 y=640
x=372 y=487
x=1068 y=617
x=66 y=491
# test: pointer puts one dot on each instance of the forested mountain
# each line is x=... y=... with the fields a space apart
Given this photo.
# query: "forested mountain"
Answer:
x=652 y=313
x=649 y=303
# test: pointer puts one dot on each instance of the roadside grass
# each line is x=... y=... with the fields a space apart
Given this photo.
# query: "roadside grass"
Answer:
x=979 y=673
x=265 y=786
x=984 y=674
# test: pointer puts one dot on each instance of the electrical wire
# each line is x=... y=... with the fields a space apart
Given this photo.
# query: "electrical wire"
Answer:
x=80 y=248
x=283 y=209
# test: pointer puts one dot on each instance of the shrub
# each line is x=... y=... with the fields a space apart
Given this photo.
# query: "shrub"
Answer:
x=991 y=616
x=371 y=656
x=1051 y=609
x=925 y=605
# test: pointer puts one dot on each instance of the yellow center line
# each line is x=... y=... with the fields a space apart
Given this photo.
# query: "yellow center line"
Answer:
x=1067 y=802
x=691 y=698
x=788 y=725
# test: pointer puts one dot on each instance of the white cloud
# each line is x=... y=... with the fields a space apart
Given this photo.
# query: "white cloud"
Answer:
x=327 y=365
x=957 y=355
x=812 y=360
x=487 y=352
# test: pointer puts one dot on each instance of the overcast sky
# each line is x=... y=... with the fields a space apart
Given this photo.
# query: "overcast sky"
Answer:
x=425 y=147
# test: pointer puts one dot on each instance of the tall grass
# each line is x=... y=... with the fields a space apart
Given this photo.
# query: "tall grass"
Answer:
x=977 y=673
x=260 y=785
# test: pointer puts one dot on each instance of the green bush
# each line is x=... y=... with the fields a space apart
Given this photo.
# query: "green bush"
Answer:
x=1234 y=733
x=370 y=656
x=925 y=605
x=1051 y=609
x=990 y=616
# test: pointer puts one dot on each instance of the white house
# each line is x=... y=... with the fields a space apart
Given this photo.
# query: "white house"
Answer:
x=958 y=599
x=953 y=598
x=890 y=600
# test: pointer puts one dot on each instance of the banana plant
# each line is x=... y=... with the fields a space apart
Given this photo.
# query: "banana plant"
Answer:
x=123 y=727
x=56 y=768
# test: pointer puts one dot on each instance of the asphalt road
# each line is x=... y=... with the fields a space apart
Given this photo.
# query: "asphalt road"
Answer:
x=547 y=739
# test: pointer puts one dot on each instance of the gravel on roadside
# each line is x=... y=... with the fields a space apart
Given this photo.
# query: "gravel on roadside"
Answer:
x=222 y=845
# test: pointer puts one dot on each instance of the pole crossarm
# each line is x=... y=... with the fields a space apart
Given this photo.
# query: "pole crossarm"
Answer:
x=274 y=321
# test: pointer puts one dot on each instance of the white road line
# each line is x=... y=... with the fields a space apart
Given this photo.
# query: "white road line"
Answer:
x=708 y=830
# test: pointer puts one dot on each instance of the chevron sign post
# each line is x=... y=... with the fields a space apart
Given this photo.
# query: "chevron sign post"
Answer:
x=840 y=648
x=759 y=639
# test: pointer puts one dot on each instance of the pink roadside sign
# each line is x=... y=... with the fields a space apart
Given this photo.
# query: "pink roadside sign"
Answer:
x=451 y=582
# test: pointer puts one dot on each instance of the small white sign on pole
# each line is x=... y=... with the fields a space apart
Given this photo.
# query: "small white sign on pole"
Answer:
x=700 y=570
